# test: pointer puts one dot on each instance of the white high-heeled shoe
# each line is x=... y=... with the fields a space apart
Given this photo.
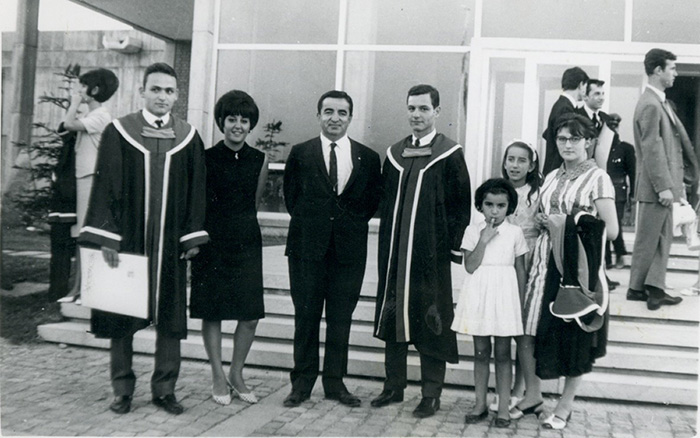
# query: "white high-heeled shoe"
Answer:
x=248 y=397
x=223 y=400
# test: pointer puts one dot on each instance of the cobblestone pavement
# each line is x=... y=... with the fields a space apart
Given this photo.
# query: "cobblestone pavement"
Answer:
x=49 y=390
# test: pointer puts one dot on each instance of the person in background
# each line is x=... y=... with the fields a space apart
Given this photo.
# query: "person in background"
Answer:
x=666 y=161
x=573 y=84
x=621 y=168
x=227 y=276
x=93 y=89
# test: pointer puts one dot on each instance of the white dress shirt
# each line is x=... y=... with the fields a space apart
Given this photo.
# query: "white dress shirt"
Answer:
x=343 y=154
x=425 y=141
x=151 y=118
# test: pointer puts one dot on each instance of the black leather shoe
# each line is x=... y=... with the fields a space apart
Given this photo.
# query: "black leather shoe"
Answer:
x=427 y=407
x=475 y=418
x=612 y=284
x=121 y=404
x=344 y=397
x=636 y=295
x=387 y=396
x=654 y=303
x=295 y=398
x=169 y=404
x=502 y=423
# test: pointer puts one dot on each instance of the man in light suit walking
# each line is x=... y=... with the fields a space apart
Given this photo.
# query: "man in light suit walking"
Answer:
x=665 y=159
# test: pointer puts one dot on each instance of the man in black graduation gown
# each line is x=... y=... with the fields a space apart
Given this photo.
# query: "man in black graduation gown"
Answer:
x=573 y=84
x=332 y=186
x=149 y=198
x=426 y=207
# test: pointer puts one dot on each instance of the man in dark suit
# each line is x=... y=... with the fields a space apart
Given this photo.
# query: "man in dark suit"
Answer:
x=332 y=186
x=573 y=84
x=621 y=168
x=613 y=158
x=665 y=160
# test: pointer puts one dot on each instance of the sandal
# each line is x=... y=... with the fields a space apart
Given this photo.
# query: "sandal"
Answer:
x=555 y=422
x=516 y=413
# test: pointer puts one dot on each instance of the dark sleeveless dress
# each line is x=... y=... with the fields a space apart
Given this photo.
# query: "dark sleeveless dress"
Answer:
x=227 y=280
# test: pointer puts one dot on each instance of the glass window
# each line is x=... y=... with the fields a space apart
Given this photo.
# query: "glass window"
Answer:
x=555 y=19
x=279 y=21
x=626 y=82
x=379 y=81
x=507 y=85
x=666 y=22
x=394 y=22
x=286 y=87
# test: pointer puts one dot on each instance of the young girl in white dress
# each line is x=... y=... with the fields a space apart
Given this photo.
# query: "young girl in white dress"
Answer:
x=489 y=303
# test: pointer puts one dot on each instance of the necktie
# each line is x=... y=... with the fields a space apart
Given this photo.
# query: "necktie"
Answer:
x=669 y=110
x=333 y=168
x=417 y=143
x=596 y=122
x=159 y=123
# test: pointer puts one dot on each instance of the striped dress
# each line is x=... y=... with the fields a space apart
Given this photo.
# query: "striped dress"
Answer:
x=563 y=192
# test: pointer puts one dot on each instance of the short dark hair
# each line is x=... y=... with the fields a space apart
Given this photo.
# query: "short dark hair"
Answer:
x=596 y=82
x=334 y=94
x=572 y=78
x=159 y=67
x=657 y=58
x=577 y=124
x=105 y=81
x=497 y=186
x=418 y=90
x=236 y=103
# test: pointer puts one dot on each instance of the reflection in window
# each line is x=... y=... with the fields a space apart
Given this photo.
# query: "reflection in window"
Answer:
x=410 y=22
x=286 y=87
x=666 y=22
x=507 y=85
x=378 y=83
x=279 y=21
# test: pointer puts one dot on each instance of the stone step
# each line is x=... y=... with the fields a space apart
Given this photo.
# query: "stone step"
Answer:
x=678 y=389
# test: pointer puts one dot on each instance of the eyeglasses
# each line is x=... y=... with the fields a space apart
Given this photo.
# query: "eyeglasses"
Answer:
x=562 y=140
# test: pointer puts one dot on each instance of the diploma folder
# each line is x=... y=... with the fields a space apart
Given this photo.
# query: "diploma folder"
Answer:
x=122 y=290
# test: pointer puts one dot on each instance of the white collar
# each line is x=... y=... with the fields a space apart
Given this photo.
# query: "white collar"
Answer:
x=424 y=141
x=660 y=93
x=571 y=99
x=341 y=142
x=590 y=112
x=151 y=118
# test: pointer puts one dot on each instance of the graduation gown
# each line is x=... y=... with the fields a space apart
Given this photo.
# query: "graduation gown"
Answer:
x=426 y=207
x=149 y=198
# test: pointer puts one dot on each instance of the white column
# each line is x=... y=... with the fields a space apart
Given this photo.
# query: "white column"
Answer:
x=203 y=68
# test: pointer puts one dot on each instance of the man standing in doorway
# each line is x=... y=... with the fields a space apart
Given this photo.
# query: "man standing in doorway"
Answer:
x=665 y=159
x=149 y=198
x=426 y=207
x=332 y=186
x=573 y=84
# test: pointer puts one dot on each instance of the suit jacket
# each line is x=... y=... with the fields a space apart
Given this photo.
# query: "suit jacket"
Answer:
x=552 y=159
x=320 y=217
x=665 y=156
x=604 y=117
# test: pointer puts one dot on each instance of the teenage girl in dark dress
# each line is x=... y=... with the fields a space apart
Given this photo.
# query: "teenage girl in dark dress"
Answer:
x=227 y=276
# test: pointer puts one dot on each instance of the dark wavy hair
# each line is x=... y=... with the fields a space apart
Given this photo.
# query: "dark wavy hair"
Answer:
x=158 y=67
x=534 y=177
x=418 y=90
x=578 y=125
x=104 y=80
x=657 y=58
x=572 y=78
x=497 y=186
x=334 y=94
x=236 y=103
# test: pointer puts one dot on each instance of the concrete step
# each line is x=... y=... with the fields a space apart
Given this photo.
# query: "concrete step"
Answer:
x=609 y=384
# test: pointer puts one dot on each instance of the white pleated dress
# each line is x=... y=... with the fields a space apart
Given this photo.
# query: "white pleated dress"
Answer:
x=489 y=302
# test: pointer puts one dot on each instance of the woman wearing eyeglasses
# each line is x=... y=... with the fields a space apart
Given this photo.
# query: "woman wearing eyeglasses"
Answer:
x=564 y=343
